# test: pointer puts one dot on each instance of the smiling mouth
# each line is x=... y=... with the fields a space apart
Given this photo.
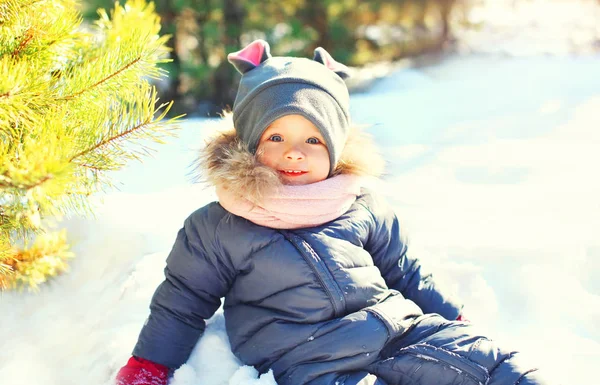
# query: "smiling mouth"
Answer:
x=293 y=172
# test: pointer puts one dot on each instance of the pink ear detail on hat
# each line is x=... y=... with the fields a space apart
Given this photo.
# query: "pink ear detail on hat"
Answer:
x=251 y=56
x=325 y=58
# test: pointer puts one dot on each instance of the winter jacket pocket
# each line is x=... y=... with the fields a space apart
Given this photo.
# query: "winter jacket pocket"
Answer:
x=427 y=364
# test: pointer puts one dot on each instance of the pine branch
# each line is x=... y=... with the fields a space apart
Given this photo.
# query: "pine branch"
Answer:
x=26 y=39
x=25 y=187
x=102 y=81
x=90 y=167
x=30 y=267
x=111 y=139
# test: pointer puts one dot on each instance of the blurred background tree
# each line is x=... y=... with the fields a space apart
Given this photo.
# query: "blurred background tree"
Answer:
x=355 y=32
x=75 y=104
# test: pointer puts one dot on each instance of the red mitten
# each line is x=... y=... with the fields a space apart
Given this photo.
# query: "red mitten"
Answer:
x=462 y=318
x=139 y=371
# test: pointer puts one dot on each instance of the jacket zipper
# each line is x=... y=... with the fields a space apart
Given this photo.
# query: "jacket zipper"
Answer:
x=298 y=242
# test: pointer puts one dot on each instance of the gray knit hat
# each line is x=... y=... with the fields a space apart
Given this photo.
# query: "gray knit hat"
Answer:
x=272 y=87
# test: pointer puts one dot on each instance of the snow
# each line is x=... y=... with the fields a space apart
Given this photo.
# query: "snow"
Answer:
x=523 y=27
x=493 y=171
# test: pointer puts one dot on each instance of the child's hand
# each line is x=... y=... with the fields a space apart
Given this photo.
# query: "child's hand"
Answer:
x=139 y=371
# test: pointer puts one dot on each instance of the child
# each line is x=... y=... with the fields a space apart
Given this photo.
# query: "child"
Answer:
x=317 y=281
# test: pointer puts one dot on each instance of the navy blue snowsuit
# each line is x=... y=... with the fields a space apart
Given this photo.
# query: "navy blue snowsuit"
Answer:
x=340 y=303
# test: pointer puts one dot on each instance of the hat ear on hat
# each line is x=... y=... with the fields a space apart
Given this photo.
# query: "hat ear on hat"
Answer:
x=250 y=57
x=325 y=58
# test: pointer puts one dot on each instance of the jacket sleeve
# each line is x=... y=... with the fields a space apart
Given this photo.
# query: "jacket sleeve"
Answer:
x=399 y=269
x=196 y=278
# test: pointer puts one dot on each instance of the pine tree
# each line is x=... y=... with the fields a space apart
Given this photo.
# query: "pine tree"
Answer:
x=76 y=103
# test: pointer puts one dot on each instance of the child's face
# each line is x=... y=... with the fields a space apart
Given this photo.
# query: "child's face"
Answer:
x=294 y=147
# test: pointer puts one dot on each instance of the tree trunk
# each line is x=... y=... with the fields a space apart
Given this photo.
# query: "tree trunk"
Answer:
x=202 y=16
x=168 y=22
x=316 y=17
x=445 y=11
x=224 y=76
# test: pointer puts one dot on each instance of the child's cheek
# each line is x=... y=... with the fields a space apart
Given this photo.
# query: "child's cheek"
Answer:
x=265 y=155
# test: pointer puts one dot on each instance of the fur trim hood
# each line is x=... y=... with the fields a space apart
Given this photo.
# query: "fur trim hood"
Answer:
x=226 y=161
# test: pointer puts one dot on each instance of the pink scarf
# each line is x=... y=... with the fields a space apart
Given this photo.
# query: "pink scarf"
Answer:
x=294 y=207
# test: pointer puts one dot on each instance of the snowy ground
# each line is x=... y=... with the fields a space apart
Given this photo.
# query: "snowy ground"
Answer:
x=493 y=168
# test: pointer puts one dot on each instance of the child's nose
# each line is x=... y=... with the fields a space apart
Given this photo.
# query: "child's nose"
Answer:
x=294 y=154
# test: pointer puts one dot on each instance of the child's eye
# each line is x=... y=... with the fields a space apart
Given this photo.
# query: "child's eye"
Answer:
x=276 y=138
x=313 y=141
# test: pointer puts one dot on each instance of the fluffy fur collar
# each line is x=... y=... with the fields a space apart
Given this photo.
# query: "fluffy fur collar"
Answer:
x=225 y=161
